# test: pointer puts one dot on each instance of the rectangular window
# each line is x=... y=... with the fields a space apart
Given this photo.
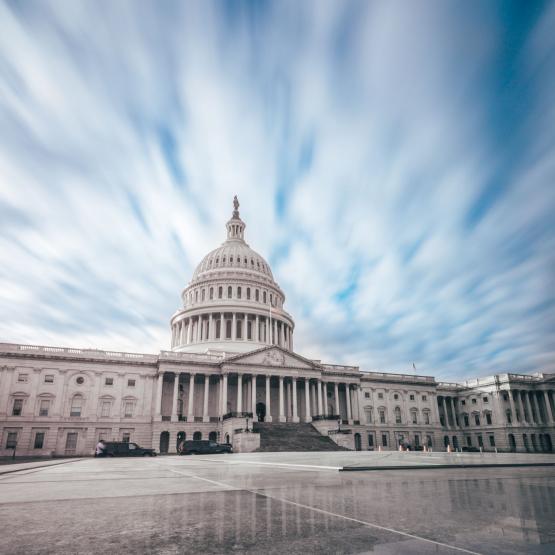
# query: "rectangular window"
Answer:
x=477 y=419
x=130 y=383
x=11 y=441
x=384 y=440
x=71 y=440
x=380 y=395
x=39 y=440
x=426 y=418
x=469 y=441
x=128 y=410
x=466 y=421
x=412 y=397
x=370 y=440
x=49 y=378
x=382 y=417
x=485 y=399
x=17 y=407
x=492 y=441
x=44 y=406
x=480 y=441
x=366 y=395
x=424 y=398
x=473 y=401
x=22 y=378
x=488 y=418
x=105 y=411
x=414 y=418
x=75 y=409
x=463 y=402
x=369 y=417
x=126 y=436
x=109 y=381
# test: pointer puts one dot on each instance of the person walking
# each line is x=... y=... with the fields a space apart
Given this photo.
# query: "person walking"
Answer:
x=100 y=450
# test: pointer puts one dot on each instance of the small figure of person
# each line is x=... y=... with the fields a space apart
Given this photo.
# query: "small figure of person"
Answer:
x=100 y=450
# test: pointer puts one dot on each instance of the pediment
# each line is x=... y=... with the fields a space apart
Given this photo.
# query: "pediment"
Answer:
x=274 y=356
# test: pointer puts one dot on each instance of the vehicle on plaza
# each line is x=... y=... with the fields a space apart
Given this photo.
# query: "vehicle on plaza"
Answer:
x=127 y=449
x=203 y=447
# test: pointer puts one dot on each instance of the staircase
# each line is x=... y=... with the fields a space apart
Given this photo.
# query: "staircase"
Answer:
x=293 y=437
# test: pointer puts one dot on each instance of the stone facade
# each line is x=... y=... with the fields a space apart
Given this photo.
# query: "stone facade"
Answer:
x=232 y=360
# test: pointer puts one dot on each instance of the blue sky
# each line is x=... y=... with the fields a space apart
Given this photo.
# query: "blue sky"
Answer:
x=394 y=161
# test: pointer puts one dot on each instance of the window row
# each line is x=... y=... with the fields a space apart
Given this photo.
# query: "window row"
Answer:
x=79 y=380
x=382 y=416
x=396 y=396
x=202 y=294
x=224 y=261
x=76 y=407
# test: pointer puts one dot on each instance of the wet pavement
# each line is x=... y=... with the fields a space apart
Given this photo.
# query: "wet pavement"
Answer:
x=276 y=503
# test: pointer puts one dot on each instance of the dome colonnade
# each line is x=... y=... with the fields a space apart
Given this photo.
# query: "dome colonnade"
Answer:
x=232 y=303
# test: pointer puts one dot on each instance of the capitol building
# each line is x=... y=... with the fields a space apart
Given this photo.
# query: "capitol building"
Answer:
x=233 y=375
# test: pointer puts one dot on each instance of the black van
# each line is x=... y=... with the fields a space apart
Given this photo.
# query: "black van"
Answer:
x=203 y=447
x=127 y=449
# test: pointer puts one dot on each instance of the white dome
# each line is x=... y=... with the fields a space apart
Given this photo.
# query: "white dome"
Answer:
x=232 y=302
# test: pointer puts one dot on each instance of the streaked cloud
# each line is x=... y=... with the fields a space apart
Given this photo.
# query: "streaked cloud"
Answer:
x=394 y=164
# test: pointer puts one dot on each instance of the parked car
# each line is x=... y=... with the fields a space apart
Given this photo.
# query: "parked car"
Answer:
x=127 y=449
x=203 y=447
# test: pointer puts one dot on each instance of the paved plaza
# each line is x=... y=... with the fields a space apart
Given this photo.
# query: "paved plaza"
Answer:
x=279 y=503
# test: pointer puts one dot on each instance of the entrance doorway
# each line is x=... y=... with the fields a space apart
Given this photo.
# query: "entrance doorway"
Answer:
x=358 y=444
x=213 y=436
x=260 y=411
x=164 y=442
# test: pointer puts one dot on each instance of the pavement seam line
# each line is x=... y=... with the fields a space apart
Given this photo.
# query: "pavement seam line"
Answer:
x=286 y=465
x=322 y=511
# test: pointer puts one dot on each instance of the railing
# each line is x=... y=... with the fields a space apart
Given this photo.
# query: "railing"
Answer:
x=237 y=415
x=398 y=377
x=193 y=356
x=339 y=367
x=81 y=353
x=318 y=417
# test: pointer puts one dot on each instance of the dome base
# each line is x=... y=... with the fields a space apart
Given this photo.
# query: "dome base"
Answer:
x=224 y=346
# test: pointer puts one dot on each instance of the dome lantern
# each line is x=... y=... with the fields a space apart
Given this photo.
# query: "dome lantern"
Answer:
x=235 y=226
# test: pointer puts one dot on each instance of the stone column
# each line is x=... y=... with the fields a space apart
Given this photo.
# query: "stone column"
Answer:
x=222 y=326
x=281 y=404
x=522 y=411
x=308 y=416
x=528 y=406
x=183 y=337
x=445 y=415
x=536 y=407
x=348 y=399
x=513 y=408
x=325 y=398
x=175 y=396
x=291 y=340
x=190 y=408
x=158 y=396
x=205 y=415
x=336 y=392
x=319 y=394
x=256 y=334
x=550 y=416
x=239 y=392
x=211 y=334
x=234 y=327
x=266 y=330
x=295 y=406
x=268 y=417
x=189 y=331
x=253 y=395
x=275 y=337
x=282 y=335
x=224 y=395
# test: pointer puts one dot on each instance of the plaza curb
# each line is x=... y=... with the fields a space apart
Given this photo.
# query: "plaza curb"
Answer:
x=2 y=472
x=443 y=466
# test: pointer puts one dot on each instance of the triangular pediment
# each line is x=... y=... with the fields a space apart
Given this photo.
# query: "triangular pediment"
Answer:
x=273 y=356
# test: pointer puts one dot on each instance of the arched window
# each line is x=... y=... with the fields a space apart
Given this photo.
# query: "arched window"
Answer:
x=426 y=414
x=229 y=292
x=231 y=259
x=218 y=260
x=203 y=294
x=382 y=415
x=211 y=293
x=249 y=330
x=264 y=297
x=228 y=329
x=197 y=436
x=239 y=329
x=238 y=292
x=213 y=436
x=218 y=329
x=368 y=412
x=76 y=406
x=271 y=299
x=397 y=415
x=220 y=292
x=196 y=296
x=257 y=295
x=248 y=293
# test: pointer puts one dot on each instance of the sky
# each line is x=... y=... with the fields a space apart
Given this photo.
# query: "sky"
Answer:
x=394 y=161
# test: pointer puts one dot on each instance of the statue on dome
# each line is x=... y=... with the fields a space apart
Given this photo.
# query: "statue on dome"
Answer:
x=236 y=207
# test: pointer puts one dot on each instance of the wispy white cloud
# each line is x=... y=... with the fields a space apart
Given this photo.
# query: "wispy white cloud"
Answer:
x=394 y=165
